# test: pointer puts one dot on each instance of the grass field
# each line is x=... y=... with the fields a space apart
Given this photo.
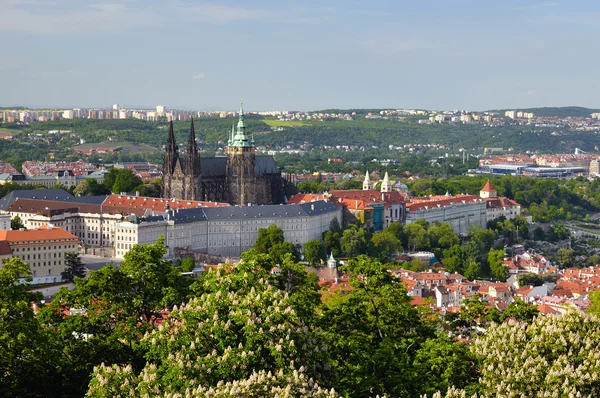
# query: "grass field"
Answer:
x=4 y=132
x=120 y=146
x=284 y=123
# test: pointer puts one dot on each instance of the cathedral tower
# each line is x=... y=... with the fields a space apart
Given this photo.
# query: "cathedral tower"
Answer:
x=172 y=178
x=241 y=165
x=191 y=169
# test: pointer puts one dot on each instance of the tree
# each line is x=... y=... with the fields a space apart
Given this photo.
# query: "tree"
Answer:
x=442 y=236
x=74 y=268
x=125 y=181
x=115 y=307
x=455 y=259
x=384 y=244
x=417 y=237
x=268 y=237
x=594 y=307
x=187 y=264
x=565 y=257
x=472 y=269
x=539 y=234
x=242 y=337
x=16 y=223
x=373 y=333
x=498 y=269
x=529 y=279
x=353 y=241
x=521 y=311
x=314 y=252
x=559 y=352
x=28 y=351
x=332 y=237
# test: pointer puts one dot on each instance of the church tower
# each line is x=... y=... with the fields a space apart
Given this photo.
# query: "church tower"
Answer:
x=241 y=165
x=172 y=178
x=192 y=170
x=367 y=182
x=386 y=185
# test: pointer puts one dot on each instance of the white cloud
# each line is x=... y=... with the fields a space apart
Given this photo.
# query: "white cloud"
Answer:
x=198 y=76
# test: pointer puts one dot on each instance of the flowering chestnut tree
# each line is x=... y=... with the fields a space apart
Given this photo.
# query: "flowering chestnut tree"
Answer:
x=242 y=337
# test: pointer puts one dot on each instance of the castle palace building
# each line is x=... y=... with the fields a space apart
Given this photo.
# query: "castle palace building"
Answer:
x=240 y=178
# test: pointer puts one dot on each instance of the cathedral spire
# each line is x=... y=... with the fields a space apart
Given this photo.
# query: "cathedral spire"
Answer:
x=192 y=147
x=171 y=155
x=240 y=139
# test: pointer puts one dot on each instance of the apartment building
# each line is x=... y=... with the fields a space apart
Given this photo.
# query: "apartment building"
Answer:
x=43 y=249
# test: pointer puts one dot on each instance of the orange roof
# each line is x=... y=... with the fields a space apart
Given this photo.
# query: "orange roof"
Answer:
x=43 y=233
x=355 y=204
x=306 y=198
x=488 y=187
x=128 y=204
x=425 y=203
x=497 y=202
x=546 y=309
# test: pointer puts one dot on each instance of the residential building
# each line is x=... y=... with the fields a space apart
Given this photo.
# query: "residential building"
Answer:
x=43 y=249
x=498 y=206
x=459 y=211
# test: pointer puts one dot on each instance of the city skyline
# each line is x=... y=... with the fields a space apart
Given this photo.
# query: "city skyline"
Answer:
x=304 y=56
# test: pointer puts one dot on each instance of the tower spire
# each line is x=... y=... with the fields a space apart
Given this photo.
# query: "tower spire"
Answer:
x=240 y=139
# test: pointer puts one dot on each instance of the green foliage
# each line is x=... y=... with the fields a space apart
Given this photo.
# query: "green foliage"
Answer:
x=241 y=328
x=384 y=244
x=315 y=252
x=560 y=354
x=565 y=257
x=354 y=241
x=520 y=311
x=530 y=279
x=27 y=350
x=111 y=310
x=187 y=264
x=495 y=259
x=373 y=334
x=417 y=237
x=271 y=241
x=16 y=223
x=125 y=181
x=74 y=267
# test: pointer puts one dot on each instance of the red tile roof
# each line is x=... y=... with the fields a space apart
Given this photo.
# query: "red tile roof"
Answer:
x=488 y=187
x=306 y=198
x=126 y=204
x=43 y=233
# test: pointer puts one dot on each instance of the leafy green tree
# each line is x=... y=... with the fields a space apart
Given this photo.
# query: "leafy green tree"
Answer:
x=315 y=252
x=353 y=241
x=384 y=244
x=417 y=237
x=397 y=229
x=520 y=310
x=472 y=270
x=455 y=259
x=16 y=223
x=593 y=260
x=373 y=333
x=474 y=312
x=594 y=307
x=125 y=181
x=539 y=234
x=187 y=264
x=559 y=352
x=565 y=257
x=28 y=351
x=110 y=310
x=530 y=279
x=495 y=259
x=74 y=267
x=442 y=236
x=441 y=363
x=243 y=337
x=268 y=237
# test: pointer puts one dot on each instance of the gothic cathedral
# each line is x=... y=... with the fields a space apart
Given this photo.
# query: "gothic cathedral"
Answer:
x=240 y=178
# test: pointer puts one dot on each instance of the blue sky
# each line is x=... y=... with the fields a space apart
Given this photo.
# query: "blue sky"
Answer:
x=304 y=55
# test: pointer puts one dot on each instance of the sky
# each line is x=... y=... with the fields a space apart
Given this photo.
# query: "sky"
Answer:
x=300 y=55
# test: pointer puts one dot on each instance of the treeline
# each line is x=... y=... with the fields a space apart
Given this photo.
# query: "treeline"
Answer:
x=147 y=330
x=545 y=199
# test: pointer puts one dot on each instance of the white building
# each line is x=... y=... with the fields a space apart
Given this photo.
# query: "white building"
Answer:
x=459 y=211
x=226 y=231
x=498 y=206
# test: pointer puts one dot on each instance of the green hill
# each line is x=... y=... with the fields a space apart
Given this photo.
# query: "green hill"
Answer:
x=563 y=111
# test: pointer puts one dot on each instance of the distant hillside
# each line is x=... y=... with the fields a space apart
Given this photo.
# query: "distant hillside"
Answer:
x=563 y=111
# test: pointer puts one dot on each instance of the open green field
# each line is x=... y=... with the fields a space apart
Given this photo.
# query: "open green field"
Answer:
x=284 y=123
x=118 y=146
x=4 y=132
